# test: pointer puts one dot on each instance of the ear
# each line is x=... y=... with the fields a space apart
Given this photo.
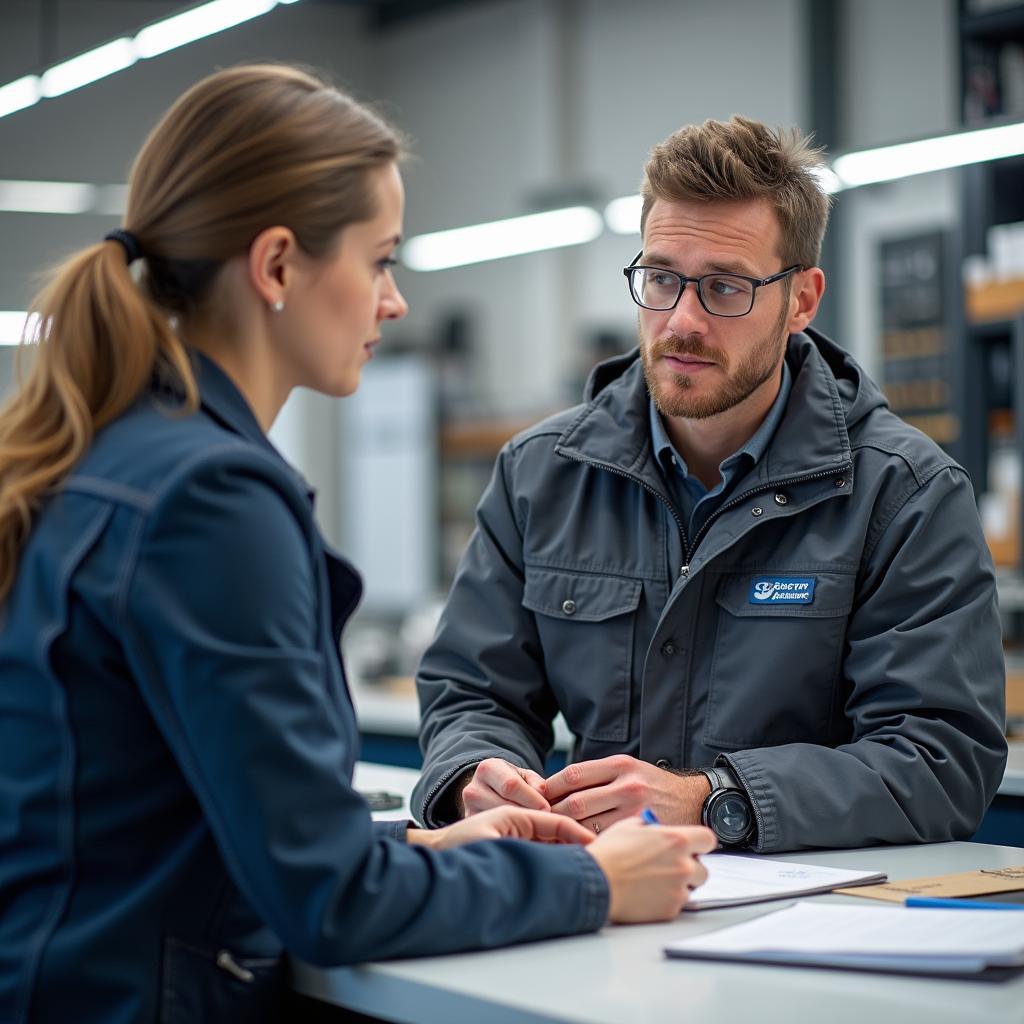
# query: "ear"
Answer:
x=805 y=295
x=271 y=263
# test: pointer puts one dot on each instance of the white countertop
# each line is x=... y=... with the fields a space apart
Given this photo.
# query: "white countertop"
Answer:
x=620 y=974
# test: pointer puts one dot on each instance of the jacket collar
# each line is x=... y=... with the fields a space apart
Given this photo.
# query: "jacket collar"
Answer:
x=221 y=400
x=613 y=428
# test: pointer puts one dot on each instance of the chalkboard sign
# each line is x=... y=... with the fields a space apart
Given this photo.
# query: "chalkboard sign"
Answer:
x=916 y=373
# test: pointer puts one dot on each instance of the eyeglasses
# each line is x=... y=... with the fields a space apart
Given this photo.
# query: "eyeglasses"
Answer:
x=720 y=294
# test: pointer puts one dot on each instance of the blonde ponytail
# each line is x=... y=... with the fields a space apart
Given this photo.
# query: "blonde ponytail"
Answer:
x=98 y=341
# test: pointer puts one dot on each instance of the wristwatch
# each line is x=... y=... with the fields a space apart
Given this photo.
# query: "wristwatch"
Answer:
x=727 y=810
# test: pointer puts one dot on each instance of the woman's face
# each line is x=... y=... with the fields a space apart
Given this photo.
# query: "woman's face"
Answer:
x=335 y=308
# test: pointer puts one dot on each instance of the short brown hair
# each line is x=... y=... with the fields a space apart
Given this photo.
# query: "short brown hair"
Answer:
x=742 y=159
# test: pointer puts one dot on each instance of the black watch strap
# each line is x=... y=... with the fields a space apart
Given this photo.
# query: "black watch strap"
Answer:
x=722 y=777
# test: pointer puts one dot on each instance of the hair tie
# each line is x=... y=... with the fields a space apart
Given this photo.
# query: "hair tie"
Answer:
x=130 y=244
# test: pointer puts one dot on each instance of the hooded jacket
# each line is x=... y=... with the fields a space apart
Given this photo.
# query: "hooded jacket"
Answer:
x=833 y=635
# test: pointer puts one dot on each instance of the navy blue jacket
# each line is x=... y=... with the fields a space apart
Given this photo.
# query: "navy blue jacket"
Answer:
x=177 y=744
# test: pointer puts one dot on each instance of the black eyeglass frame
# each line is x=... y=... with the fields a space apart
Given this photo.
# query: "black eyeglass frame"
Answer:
x=684 y=281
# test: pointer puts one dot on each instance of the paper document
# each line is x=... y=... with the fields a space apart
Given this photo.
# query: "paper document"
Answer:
x=735 y=879
x=965 y=942
x=985 y=882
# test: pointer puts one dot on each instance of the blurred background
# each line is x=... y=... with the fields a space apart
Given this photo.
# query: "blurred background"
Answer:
x=516 y=107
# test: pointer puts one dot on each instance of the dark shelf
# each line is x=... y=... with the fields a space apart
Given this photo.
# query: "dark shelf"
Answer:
x=1000 y=26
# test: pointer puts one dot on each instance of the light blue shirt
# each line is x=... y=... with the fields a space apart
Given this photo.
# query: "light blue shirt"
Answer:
x=693 y=501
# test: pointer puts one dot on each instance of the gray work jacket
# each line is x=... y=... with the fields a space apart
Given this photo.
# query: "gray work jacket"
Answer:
x=833 y=635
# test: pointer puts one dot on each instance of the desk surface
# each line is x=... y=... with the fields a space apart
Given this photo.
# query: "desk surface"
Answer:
x=620 y=974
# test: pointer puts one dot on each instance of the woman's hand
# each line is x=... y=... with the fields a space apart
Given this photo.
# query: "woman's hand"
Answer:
x=506 y=822
x=651 y=868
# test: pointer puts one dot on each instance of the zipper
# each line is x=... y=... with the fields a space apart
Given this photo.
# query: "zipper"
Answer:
x=688 y=550
x=733 y=502
x=685 y=569
x=226 y=962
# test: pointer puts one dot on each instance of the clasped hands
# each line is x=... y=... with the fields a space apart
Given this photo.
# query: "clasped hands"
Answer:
x=594 y=793
x=650 y=871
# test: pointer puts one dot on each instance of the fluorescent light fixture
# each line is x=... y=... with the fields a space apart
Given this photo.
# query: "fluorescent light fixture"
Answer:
x=887 y=163
x=46 y=196
x=197 y=24
x=154 y=39
x=828 y=179
x=12 y=325
x=497 y=239
x=88 y=67
x=19 y=94
x=622 y=215
x=111 y=200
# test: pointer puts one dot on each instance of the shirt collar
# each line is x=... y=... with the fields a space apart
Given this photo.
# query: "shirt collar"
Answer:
x=755 y=447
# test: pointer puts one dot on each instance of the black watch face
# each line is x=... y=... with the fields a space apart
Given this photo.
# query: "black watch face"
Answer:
x=730 y=817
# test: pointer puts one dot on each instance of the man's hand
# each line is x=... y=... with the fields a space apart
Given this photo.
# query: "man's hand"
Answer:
x=496 y=783
x=503 y=823
x=598 y=793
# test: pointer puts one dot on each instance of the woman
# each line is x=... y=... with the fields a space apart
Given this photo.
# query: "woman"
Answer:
x=177 y=737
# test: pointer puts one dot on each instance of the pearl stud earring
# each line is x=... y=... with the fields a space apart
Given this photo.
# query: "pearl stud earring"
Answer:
x=278 y=307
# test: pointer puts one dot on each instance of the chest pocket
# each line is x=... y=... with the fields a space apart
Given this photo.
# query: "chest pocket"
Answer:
x=775 y=667
x=586 y=623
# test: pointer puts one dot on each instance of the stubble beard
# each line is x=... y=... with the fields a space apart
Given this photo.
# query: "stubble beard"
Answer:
x=674 y=398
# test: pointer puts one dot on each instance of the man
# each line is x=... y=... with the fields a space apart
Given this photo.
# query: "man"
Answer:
x=759 y=598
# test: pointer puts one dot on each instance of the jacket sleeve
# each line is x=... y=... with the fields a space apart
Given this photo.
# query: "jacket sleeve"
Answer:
x=221 y=618
x=925 y=683
x=482 y=686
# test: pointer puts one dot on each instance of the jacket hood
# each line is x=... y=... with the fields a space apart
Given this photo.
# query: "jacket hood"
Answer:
x=858 y=393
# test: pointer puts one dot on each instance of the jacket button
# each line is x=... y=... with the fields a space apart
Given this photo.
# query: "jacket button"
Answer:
x=756 y=510
x=840 y=481
x=569 y=606
x=663 y=762
x=668 y=649
x=780 y=499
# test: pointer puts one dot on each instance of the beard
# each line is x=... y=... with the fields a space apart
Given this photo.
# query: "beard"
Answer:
x=675 y=397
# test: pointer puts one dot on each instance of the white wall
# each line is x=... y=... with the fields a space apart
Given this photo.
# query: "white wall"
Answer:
x=503 y=100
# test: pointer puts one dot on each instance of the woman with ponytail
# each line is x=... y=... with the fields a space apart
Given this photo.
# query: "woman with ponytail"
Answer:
x=176 y=736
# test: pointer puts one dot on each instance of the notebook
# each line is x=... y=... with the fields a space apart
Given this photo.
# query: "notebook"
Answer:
x=953 y=943
x=734 y=879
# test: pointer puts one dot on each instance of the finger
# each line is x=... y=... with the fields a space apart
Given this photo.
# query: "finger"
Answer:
x=505 y=780
x=538 y=782
x=582 y=775
x=602 y=822
x=589 y=803
x=551 y=828
x=701 y=840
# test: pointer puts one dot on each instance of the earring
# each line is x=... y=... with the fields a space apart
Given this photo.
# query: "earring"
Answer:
x=278 y=307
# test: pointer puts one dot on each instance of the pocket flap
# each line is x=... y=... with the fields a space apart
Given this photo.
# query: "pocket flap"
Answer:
x=812 y=595
x=583 y=597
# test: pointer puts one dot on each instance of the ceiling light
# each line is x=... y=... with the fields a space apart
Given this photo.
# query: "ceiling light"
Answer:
x=46 y=196
x=122 y=53
x=19 y=94
x=197 y=24
x=887 y=163
x=88 y=67
x=495 y=240
x=622 y=215
x=12 y=326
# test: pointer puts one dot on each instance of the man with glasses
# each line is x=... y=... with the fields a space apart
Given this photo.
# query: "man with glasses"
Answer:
x=759 y=599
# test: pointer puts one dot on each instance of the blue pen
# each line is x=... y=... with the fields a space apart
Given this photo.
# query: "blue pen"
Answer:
x=936 y=902
x=649 y=817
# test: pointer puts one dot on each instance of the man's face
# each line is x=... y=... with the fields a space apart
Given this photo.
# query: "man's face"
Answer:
x=696 y=364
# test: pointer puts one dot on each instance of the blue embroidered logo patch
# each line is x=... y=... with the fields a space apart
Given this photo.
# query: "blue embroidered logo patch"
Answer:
x=778 y=589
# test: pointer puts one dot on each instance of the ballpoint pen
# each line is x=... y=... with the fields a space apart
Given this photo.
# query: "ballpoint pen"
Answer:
x=937 y=903
x=649 y=817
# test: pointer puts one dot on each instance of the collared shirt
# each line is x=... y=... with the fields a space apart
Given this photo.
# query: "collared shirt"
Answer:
x=693 y=501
